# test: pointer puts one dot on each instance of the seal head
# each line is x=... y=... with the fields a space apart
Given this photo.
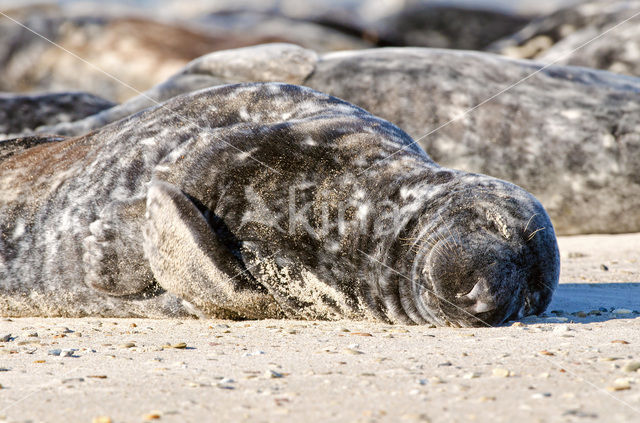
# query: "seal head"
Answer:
x=491 y=256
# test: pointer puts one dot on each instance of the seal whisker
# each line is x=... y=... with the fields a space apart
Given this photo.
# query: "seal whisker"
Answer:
x=528 y=222
x=453 y=250
x=534 y=233
x=458 y=242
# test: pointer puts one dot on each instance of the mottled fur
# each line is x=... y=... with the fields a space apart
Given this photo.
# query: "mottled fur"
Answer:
x=265 y=200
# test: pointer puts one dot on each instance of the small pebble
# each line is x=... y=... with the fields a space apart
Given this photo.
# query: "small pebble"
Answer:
x=5 y=338
x=620 y=385
x=101 y=419
x=127 y=345
x=541 y=395
x=608 y=358
x=604 y=267
x=272 y=374
x=69 y=352
x=622 y=311
x=472 y=375
x=72 y=379
x=179 y=346
x=500 y=372
x=55 y=352
x=151 y=416
x=632 y=366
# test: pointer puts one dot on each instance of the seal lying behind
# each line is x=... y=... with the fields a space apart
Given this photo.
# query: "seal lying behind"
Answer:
x=21 y=112
x=266 y=200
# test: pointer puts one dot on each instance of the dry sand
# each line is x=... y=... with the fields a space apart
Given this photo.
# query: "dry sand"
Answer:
x=563 y=367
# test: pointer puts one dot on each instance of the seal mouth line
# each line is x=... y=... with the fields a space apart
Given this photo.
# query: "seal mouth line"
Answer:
x=424 y=287
x=140 y=93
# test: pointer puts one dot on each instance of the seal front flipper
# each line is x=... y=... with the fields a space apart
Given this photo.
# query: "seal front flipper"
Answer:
x=113 y=256
x=189 y=259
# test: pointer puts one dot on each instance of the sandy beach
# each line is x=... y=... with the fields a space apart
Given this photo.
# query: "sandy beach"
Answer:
x=579 y=362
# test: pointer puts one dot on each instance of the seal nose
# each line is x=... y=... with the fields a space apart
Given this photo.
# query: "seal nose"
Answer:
x=475 y=289
x=481 y=298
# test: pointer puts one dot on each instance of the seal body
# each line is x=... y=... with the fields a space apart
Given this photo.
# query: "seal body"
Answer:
x=266 y=200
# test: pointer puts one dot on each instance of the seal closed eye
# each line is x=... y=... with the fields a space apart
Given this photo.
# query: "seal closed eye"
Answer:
x=261 y=201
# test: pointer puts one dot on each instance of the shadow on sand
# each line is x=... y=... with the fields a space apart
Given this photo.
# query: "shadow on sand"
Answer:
x=613 y=300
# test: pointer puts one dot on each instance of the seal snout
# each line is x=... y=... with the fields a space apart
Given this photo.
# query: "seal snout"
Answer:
x=473 y=286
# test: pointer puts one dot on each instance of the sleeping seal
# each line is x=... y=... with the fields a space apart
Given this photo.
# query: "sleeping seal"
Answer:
x=261 y=201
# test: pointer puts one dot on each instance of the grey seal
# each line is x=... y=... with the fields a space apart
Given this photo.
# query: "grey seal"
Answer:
x=143 y=50
x=266 y=200
x=566 y=134
x=552 y=38
x=21 y=113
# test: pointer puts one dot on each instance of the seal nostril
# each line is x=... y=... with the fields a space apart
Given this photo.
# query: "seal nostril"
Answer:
x=478 y=289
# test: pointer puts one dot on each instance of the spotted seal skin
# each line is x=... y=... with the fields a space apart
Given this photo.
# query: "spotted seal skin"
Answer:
x=263 y=201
